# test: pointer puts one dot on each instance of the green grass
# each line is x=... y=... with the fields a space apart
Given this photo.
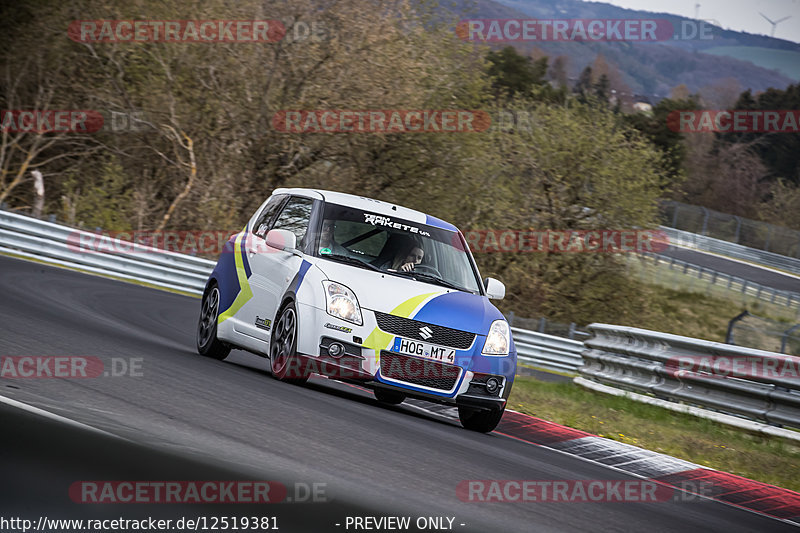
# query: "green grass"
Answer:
x=786 y=62
x=770 y=460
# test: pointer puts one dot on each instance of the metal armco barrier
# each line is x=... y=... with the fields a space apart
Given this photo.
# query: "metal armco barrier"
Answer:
x=730 y=249
x=756 y=384
x=73 y=248
x=547 y=351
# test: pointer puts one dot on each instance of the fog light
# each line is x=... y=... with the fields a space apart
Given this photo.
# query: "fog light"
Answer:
x=492 y=385
x=335 y=349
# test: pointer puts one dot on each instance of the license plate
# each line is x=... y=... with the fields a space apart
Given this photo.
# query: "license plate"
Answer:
x=423 y=349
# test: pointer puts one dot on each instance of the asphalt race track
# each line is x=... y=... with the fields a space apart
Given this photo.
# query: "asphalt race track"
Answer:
x=181 y=416
x=763 y=276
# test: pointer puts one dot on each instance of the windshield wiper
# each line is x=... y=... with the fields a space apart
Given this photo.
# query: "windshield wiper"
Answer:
x=351 y=261
x=435 y=279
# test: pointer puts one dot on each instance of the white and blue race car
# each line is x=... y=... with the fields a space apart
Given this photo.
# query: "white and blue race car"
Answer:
x=362 y=291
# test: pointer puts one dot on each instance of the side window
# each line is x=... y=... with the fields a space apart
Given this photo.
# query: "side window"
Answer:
x=295 y=217
x=263 y=224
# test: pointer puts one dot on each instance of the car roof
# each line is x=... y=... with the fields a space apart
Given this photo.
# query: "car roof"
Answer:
x=369 y=204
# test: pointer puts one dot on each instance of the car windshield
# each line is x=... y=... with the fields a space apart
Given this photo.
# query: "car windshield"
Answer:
x=396 y=246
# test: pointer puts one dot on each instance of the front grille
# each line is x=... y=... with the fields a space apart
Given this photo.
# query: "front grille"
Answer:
x=413 y=329
x=420 y=372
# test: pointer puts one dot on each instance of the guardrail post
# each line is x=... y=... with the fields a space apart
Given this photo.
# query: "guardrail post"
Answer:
x=769 y=236
x=734 y=320
x=786 y=335
x=571 y=334
x=704 y=229
x=542 y=324
x=738 y=229
x=511 y=318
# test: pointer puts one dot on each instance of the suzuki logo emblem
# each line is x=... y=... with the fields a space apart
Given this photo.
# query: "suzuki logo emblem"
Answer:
x=425 y=332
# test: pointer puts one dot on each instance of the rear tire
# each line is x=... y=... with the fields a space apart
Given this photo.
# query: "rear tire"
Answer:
x=483 y=421
x=389 y=396
x=286 y=364
x=207 y=342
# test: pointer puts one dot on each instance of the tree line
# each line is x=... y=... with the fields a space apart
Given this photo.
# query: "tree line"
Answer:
x=189 y=141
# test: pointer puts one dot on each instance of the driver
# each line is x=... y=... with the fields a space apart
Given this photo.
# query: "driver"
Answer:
x=411 y=259
x=407 y=255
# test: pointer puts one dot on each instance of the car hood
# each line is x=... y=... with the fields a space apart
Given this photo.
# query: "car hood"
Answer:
x=409 y=298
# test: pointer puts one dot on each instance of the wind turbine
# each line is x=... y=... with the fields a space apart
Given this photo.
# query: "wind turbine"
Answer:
x=774 y=23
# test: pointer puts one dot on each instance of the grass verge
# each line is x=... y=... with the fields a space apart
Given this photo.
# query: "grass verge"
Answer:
x=767 y=459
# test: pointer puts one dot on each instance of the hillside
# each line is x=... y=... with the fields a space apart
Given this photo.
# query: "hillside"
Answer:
x=787 y=62
x=650 y=69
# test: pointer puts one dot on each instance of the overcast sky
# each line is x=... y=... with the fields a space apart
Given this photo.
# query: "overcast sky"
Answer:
x=741 y=15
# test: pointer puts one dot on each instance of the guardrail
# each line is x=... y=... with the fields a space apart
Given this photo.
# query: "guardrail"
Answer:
x=33 y=238
x=730 y=249
x=547 y=351
x=759 y=385
x=729 y=282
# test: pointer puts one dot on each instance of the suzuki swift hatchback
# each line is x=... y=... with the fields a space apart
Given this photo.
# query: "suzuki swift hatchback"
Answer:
x=366 y=292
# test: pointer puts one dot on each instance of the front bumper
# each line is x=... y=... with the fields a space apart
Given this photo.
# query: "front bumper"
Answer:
x=462 y=400
x=368 y=355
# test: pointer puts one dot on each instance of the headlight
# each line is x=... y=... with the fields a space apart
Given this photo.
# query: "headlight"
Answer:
x=341 y=302
x=498 y=341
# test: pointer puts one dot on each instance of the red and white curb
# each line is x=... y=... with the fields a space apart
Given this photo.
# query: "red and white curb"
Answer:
x=762 y=498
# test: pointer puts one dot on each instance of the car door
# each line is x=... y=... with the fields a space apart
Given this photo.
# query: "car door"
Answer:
x=272 y=269
x=247 y=321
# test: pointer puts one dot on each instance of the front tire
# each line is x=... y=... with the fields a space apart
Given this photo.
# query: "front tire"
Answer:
x=207 y=342
x=286 y=364
x=480 y=420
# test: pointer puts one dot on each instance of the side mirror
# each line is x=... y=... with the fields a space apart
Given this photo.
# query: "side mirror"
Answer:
x=282 y=240
x=494 y=289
